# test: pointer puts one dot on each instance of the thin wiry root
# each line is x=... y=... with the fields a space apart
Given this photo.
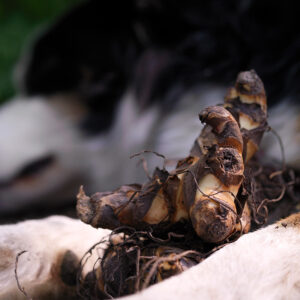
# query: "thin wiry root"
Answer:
x=133 y=261
x=22 y=289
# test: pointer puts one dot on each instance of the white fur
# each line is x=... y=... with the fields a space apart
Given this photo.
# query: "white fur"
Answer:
x=33 y=122
x=29 y=130
x=32 y=128
x=45 y=242
x=111 y=151
x=285 y=120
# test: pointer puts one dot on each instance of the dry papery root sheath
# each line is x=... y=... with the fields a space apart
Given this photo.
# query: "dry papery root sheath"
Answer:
x=178 y=218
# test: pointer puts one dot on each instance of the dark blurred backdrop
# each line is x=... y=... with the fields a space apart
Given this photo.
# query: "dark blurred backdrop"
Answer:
x=19 y=19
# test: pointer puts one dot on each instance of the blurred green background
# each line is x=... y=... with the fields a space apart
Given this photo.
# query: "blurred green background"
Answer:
x=19 y=19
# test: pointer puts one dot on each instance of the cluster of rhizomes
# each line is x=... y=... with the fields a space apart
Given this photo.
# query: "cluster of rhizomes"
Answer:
x=206 y=193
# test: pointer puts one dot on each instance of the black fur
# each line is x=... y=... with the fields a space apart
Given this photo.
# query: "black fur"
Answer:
x=162 y=48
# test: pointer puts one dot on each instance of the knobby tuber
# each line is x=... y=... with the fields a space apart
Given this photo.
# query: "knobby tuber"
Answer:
x=204 y=186
x=218 y=175
x=247 y=103
x=168 y=199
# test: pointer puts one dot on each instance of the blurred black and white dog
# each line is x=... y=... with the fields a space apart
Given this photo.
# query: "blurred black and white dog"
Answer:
x=112 y=78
